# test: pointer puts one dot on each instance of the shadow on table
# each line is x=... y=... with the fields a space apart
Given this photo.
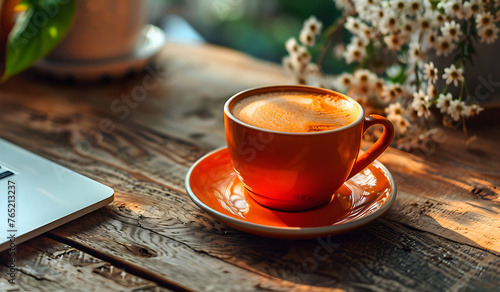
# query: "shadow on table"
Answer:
x=383 y=254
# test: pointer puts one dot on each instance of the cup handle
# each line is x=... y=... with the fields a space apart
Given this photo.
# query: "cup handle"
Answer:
x=376 y=149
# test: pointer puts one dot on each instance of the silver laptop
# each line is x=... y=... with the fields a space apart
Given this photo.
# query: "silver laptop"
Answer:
x=37 y=195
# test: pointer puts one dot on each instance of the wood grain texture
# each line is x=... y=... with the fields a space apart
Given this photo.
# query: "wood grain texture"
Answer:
x=441 y=233
x=47 y=265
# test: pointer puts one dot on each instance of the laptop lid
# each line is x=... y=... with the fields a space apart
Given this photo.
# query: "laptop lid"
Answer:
x=37 y=195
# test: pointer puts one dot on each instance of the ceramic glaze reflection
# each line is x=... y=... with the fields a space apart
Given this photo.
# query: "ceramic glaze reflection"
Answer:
x=216 y=185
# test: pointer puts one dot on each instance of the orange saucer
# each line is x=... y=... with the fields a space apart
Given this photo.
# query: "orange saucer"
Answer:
x=213 y=185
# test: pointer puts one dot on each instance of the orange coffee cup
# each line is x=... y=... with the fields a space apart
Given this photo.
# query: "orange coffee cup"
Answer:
x=299 y=171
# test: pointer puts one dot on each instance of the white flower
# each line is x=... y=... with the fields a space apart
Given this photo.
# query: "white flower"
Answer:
x=451 y=29
x=366 y=32
x=431 y=91
x=301 y=57
x=415 y=52
x=444 y=46
x=399 y=5
x=292 y=46
x=353 y=24
x=483 y=19
x=377 y=14
x=430 y=72
x=475 y=109
x=414 y=7
x=288 y=65
x=444 y=102
x=345 y=5
x=390 y=23
x=421 y=104
x=354 y=53
x=453 y=74
x=438 y=18
x=431 y=39
x=391 y=92
x=475 y=6
x=307 y=37
x=424 y=23
x=458 y=109
x=339 y=50
x=313 y=25
x=394 y=41
x=311 y=69
x=363 y=76
x=344 y=81
x=466 y=10
x=400 y=123
x=394 y=109
x=379 y=87
x=452 y=8
x=408 y=27
x=488 y=33
x=359 y=42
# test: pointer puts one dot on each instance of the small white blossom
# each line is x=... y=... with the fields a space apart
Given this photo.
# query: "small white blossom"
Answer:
x=354 y=53
x=288 y=65
x=475 y=109
x=394 y=109
x=414 y=7
x=431 y=91
x=401 y=124
x=359 y=42
x=444 y=46
x=292 y=46
x=394 y=41
x=439 y=19
x=424 y=23
x=430 y=72
x=458 y=109
x=408 y=27
x=344 y=81
x=313 y=25
x=399 y=5
x=452 y=8
x=430 y=39
x=421 y=104
x=345 y=5
x=475 y=6
x=484 y=19
x=353 y=24
x=451 y=29
x=415 y=52
x=307 y=37
x=488 y=34
x=392 y=92
x=390 y=23
x=453 y=74
x=444 y=102
x=363 y=76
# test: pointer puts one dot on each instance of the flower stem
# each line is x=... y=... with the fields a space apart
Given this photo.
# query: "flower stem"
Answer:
x=461 y=90
x=329 y=33
x=464 y=127
x=417 y=79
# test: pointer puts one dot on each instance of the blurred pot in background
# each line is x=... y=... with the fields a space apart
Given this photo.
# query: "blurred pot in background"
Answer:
x=102 y=30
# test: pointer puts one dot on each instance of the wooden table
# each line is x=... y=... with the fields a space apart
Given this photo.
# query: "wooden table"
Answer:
x=442 y=233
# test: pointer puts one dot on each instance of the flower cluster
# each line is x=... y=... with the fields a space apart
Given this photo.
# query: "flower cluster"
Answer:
x=394 y=44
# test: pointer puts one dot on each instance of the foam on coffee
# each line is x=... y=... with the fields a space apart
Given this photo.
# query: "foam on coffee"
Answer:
x=296 y=111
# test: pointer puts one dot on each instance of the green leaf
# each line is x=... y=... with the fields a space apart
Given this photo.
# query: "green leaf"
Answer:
x=37 y=31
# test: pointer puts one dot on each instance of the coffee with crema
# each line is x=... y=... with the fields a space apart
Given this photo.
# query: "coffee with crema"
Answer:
x=296 y=111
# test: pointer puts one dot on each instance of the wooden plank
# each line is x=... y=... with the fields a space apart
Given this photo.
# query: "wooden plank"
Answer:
x=43 y=262
x=160 y=229
x=453 y=191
